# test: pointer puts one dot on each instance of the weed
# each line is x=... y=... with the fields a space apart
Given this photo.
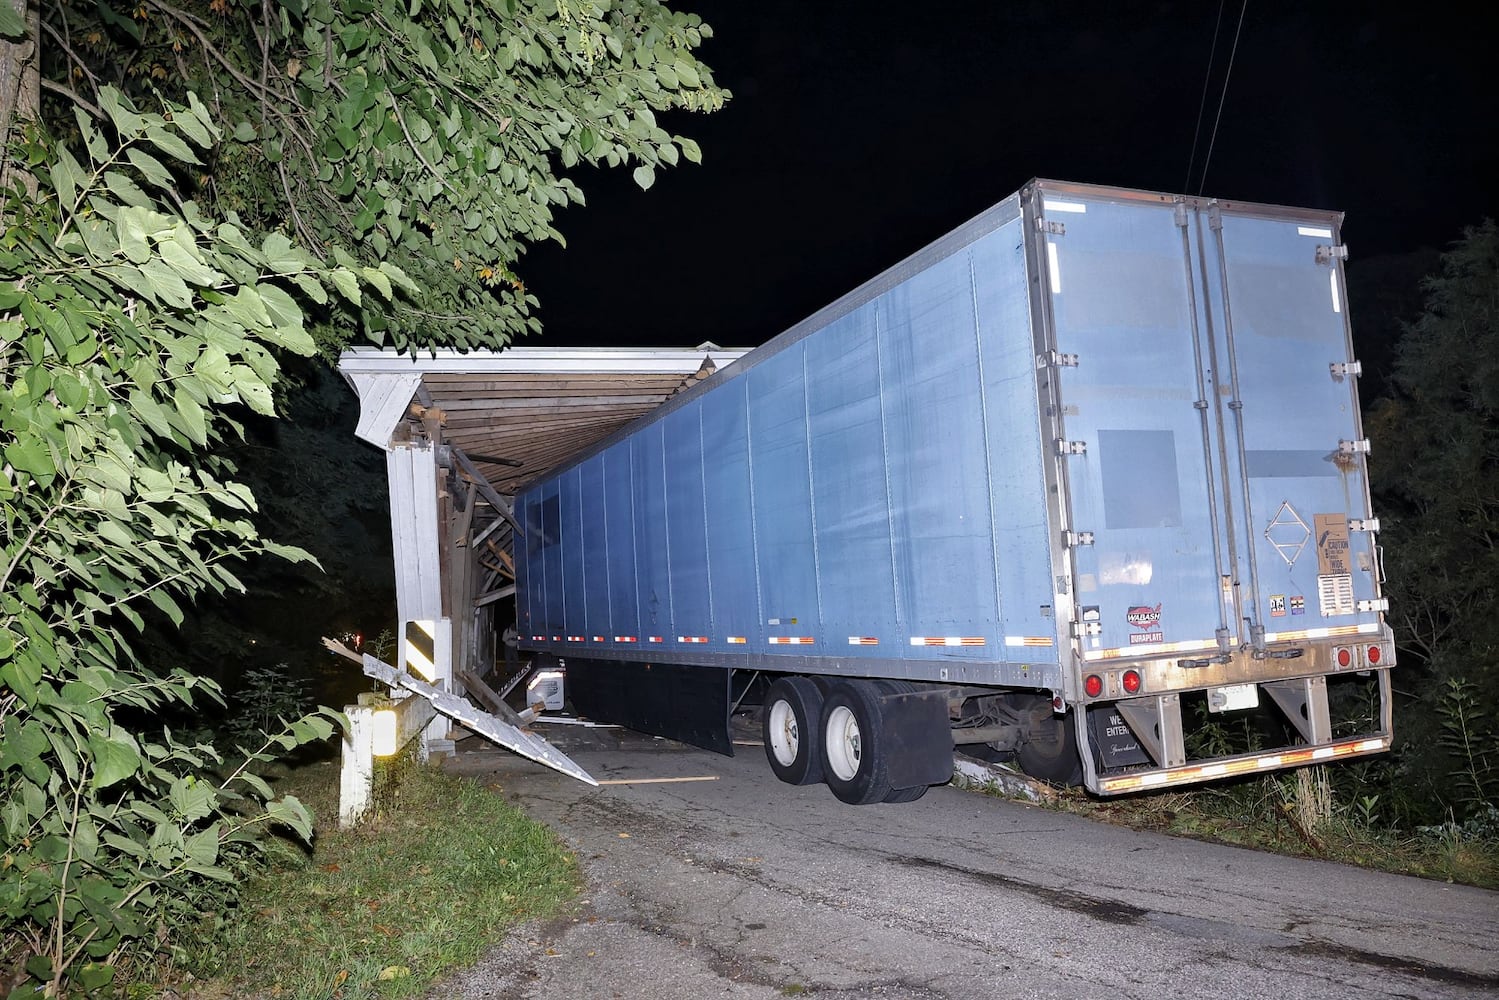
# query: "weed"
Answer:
x=385 y=909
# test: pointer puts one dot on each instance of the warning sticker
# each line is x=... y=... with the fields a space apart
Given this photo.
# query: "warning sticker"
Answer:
x=1298 y=604
x=1277 y=605
x=1332 y=544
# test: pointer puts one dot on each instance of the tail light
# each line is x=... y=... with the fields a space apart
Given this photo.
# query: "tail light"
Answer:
x=1372 y=654
x=1130 y=681
x=1344 y=656
x=1093 y=685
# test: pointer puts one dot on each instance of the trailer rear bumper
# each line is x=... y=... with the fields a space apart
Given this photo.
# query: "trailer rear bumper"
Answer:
x=1157 y=723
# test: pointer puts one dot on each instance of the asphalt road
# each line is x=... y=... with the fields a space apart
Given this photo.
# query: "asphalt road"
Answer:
x=744 y=887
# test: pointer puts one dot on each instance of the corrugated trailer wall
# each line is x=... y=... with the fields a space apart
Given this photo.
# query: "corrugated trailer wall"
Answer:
x=864 y=494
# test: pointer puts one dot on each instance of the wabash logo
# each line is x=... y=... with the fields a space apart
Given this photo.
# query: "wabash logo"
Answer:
x=1142 y=617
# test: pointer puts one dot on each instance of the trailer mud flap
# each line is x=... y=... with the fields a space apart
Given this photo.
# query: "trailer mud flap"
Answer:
x=919 y=738
x=492 y=727
x=678 y=701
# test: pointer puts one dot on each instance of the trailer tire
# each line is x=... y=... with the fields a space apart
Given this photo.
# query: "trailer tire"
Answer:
x=905 y=794
x=790 y=726
x=855 y=764
x=1055 y=757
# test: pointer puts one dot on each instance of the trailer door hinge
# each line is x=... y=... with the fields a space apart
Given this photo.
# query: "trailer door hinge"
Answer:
x=1341 y=371
x=1360 y=446
x=1056 y=359
x=1328 y=254
x=1378 y=604
x=1072 y=539
x=1081 y=629
x=1051 y=228
x=1072 y=447
x=1363 y=524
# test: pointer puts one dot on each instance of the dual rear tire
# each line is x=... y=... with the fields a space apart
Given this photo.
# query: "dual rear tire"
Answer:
x=840 y=738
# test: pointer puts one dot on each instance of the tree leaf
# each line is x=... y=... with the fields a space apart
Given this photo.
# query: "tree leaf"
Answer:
x=645 y=176
x=115 y=759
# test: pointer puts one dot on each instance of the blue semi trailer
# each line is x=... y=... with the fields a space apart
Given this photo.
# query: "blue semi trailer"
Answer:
x=1083 y=483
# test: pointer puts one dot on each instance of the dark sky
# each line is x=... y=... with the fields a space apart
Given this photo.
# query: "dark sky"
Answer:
x=859 y=132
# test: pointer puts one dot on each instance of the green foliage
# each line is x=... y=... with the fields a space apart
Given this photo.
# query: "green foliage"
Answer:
x=265 y=696
x=382 y=898
x=129 y=324
x=1437 y=459
x=1468 y=734
x=440 y=136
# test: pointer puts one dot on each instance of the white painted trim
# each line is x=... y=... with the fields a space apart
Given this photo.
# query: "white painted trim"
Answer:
x=384 y=400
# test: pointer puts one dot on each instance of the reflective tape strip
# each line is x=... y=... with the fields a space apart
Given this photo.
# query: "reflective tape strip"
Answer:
x=1332 y=632
x=1326 y=234
x=625 y=638
x=947 y=640
x=556 y=638
x=598 y=638
x=538 y=638
x=863 y=640
x=1076 y=207
x=791 y=640
x=1028 y=640
x=737 y=640
x=576 y=638
x=654 y=638
x=695 y=639
x=1244 y=765
x=1155 y=647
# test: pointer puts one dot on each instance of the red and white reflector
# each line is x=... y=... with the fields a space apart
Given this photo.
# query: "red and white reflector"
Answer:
x=655 y=638
x=625 y=638
x=598 y=638
x=791 y=640
x=863 y=640
x=947 y=640
x=737 y=640
x=576 y=638
x=695 y=640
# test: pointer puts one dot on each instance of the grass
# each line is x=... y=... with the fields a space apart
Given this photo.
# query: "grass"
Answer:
x=438 y=875
x=1267 y=814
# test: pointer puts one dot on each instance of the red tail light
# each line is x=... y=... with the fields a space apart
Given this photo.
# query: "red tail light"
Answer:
x=1130 y=681
x=1373 y=654
x=1344 y=656
x=1093 y=685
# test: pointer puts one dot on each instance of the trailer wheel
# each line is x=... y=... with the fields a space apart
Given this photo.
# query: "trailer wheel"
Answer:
x=1051 y=753
x=906 y=794
x=854 y=760
x=790 y=725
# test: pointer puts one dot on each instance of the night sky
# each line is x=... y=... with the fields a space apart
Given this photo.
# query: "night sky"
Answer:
x=858 y=133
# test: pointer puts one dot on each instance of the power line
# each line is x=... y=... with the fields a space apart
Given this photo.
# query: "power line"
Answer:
x=1223 y=96
x=1203 y=103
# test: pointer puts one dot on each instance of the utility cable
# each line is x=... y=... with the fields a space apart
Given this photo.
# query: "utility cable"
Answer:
x=1207 y=78
x=1222 y=97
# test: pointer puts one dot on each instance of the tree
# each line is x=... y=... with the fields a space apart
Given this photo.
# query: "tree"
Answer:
x=440 y=137
x=1435 y=476
x=159 y=256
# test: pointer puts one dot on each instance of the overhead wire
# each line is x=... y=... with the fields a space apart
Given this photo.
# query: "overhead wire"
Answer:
x=1202 y=104
x=1222 y=96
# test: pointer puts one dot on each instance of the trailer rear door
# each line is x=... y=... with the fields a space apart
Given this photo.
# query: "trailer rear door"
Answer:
x=1131 y=430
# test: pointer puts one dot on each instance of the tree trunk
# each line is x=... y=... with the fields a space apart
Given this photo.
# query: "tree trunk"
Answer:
x=20 y=92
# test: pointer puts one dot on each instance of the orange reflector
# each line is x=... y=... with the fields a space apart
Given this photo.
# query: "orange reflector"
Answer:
x=736 y=640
